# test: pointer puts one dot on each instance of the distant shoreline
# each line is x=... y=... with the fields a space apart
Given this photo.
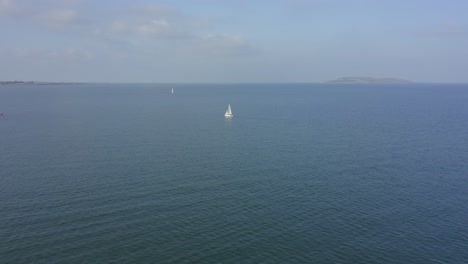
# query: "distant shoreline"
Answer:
x=34 y=83
x=337 y=81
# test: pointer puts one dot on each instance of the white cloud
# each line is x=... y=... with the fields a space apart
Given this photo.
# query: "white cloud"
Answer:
x=44 y=55
x=151 y=22
x=7 y=7
x=135 y=24
x=118 y=27
x=157 y=31
x=59 y=19
x=128 y=38
x=153 y=27
x=224 y=40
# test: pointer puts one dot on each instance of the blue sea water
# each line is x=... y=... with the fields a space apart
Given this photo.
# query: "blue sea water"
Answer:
x=303 y=173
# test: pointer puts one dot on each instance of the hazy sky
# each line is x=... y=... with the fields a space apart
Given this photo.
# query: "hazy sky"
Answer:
x=233 y=40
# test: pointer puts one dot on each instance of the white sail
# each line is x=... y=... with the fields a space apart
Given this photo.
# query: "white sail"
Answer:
x=172 y=91
x=228 y=111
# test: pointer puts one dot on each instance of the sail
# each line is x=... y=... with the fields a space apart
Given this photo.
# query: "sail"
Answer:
x=172 y=91
x=228 y=112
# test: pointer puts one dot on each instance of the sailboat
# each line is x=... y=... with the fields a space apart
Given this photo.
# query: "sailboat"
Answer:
x=172 y=91
x=228 y=113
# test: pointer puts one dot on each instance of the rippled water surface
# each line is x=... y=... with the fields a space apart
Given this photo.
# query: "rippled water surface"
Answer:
x=316 y=173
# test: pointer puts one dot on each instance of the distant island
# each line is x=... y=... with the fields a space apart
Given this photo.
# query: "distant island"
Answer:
x=367 y=80
x=32 y=83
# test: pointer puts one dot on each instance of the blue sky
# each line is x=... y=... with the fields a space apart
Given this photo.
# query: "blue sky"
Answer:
x=232 y=40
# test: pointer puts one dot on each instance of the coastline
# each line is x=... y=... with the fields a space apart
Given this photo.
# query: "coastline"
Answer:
x=34 y=83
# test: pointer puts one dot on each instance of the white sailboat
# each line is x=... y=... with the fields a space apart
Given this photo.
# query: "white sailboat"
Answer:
x=228 y=113
x=172 y=91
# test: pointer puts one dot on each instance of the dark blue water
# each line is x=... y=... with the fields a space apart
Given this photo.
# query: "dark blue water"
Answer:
x=329 y=173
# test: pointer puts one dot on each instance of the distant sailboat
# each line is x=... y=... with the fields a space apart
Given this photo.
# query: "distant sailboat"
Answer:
x=228 y=113
x=172 y=91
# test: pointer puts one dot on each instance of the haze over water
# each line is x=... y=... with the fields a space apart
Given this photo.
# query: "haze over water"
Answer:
x=303 y=173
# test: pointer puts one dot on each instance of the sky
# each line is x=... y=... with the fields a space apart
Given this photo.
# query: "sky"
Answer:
x=232 y=41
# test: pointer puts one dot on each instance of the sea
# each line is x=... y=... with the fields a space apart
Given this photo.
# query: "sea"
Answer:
x=303 y=173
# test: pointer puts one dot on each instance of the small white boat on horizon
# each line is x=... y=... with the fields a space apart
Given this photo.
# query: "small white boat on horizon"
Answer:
x=228 y=113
